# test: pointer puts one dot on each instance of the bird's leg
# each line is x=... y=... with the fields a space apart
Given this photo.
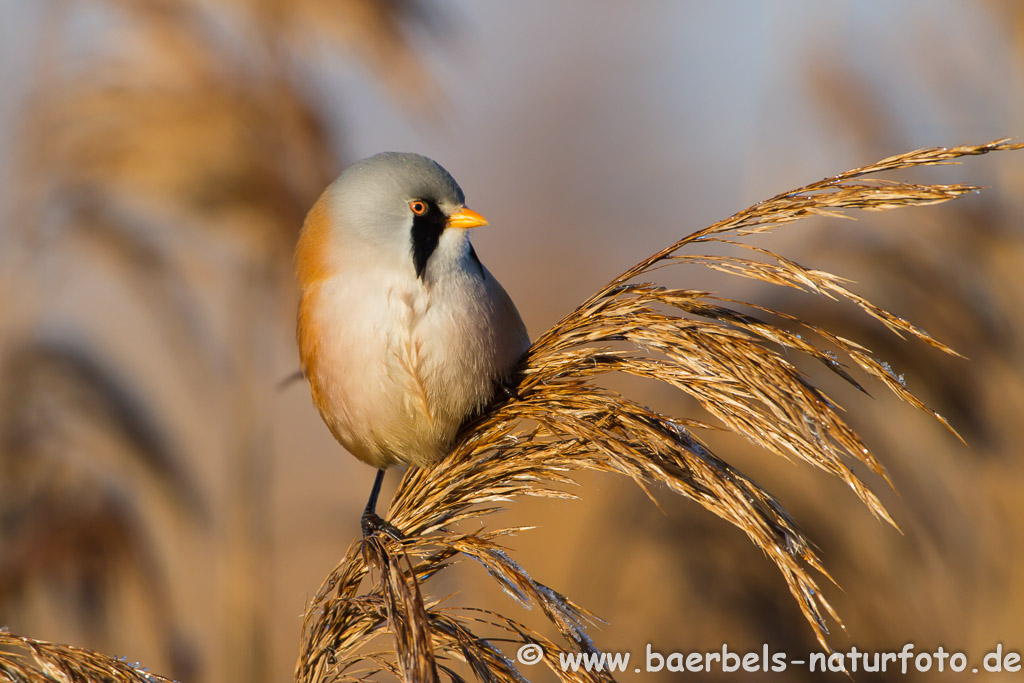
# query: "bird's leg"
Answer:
x=372 y=522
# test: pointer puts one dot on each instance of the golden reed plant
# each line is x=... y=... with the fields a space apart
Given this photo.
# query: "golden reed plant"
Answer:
x=371 y=613
x=560 y=421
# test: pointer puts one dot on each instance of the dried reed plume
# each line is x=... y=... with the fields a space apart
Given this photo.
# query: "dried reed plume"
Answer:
x=25 y=659
x=733 y=357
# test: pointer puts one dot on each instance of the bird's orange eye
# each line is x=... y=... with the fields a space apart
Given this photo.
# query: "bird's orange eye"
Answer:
x=418 y=207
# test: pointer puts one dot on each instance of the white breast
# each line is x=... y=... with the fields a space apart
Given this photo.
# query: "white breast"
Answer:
x=402 y=362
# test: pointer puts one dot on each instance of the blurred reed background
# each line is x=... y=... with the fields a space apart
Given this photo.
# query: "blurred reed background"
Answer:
x=161 y=499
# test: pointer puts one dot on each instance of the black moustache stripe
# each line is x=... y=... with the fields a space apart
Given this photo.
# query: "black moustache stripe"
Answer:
x=426 y=233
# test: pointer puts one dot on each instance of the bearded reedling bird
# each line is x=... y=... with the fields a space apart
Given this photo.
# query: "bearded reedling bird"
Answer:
x=403 y=334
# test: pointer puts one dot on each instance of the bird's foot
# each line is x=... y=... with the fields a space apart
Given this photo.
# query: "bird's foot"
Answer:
x=508 y=387
x=373 y=523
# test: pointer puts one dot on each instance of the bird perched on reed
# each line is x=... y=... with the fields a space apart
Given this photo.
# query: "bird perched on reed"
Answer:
x=403 y=333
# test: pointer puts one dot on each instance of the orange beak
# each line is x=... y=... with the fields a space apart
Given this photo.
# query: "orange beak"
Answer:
x=466 y=219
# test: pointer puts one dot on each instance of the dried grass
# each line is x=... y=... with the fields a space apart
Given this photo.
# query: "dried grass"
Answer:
x=35 y=661
x=736 y=364
x=736 y=359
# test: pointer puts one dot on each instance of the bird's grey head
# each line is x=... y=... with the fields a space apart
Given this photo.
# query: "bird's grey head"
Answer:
x=397 y=202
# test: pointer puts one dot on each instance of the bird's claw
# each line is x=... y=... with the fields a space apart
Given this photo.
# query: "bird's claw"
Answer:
x=509 y=389
x=373 y=523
